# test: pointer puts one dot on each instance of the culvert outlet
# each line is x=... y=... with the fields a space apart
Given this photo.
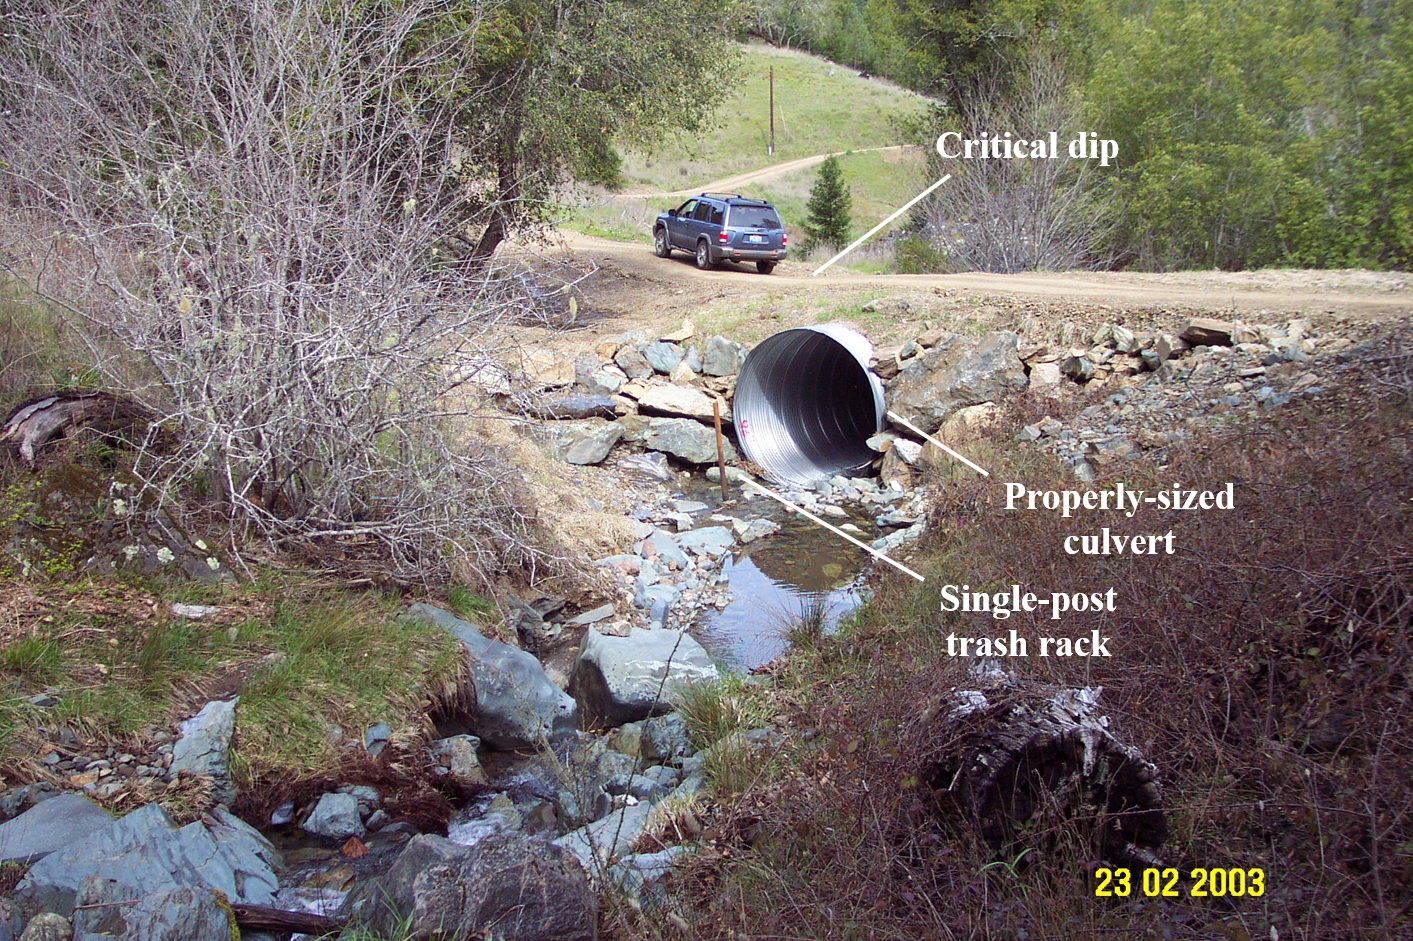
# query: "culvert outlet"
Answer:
x=806 y=403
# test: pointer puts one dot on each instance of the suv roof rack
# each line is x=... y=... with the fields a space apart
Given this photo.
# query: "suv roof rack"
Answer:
x=725 y=195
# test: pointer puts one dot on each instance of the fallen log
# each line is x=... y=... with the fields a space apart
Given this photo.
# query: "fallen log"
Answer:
x=41 y=419
x=1015 y=750
x=259 y=918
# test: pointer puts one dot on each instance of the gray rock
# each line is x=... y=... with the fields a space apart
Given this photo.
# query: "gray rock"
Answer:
x=517 y=704
x=687 y=439
x=634 y=872
x=665 y=739
x=723 y=357
x=119 y=911
x=682 y=401
x=693 y=359
x=706 y=540
x=204 y=746
x=638 y=786
x=585 y=442
x=49 y=826
x=620 y=679
x=376 y=737
x=147 y=851
x=602 y=613
x=282 y=815
x=665 y=547
x=632 y=361
x=575 y=407
x=662 y=356
x=648 y=596
x=954 y=374
x=594 y=845
x=335 y=816
x=665 y=775
x=507 y=883
x=1078 y=368
x=457 y=753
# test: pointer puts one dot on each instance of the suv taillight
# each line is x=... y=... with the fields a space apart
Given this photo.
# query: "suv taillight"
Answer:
x=722 y=237
x=784 y=239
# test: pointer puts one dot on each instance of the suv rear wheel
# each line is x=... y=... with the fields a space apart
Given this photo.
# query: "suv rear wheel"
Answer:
x=704 y=255
x=765 y=267
x=662 y=245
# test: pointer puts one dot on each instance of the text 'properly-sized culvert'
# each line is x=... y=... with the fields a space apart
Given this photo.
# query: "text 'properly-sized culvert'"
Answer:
x=806 y=403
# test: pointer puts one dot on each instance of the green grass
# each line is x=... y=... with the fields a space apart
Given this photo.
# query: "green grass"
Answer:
x=468 y=605
x=815 y=113
x=302 y=658
x=717 y=709
x=878 y=184
x=35 y=658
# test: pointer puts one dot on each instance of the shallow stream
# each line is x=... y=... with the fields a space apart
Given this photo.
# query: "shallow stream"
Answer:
x=777 y=579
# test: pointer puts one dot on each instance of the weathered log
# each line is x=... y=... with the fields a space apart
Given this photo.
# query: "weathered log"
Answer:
x=40 y=419
x=1016 y=749
x=259 y=918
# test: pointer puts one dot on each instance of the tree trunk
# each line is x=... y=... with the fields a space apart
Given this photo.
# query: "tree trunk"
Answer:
x=1018 y=750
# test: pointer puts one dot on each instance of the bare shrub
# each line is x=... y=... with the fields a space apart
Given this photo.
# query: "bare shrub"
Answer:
x=239 y=207
x=1019 y=215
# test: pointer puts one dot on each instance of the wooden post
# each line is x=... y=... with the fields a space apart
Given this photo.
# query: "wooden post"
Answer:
x=772 y=117
x=720 y=451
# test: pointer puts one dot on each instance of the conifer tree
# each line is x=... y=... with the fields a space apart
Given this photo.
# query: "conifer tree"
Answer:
x=828 y=219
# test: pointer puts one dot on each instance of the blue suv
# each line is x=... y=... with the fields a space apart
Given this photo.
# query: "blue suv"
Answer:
x=719 y=227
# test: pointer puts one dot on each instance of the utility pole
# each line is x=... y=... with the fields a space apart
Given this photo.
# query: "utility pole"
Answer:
x=772 y=111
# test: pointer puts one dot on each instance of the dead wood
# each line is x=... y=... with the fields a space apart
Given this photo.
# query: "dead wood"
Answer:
x=1018 y=752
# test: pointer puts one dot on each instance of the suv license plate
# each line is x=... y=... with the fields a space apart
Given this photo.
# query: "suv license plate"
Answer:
x=755 y=238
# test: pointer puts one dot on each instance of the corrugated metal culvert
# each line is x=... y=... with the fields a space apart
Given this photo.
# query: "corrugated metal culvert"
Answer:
x=806 y=403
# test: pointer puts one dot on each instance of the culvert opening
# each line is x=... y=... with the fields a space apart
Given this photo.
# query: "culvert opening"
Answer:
x=806 y=403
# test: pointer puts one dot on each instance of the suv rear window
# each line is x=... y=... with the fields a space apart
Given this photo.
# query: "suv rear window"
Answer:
x=762 y=216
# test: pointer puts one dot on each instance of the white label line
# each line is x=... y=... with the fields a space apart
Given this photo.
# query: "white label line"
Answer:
x=808 y=515
x=914 y=428
x=869 y=234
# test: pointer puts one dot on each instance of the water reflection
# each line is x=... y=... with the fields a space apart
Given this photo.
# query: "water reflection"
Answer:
x=774 y=581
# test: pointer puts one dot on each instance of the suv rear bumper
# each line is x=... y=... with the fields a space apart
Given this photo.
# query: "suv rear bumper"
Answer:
x=720 y=253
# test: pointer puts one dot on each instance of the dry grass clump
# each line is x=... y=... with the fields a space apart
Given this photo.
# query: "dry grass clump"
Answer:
x=1263 y=667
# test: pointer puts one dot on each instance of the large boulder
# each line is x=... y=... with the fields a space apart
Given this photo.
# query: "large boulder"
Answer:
x=204 y=747
x=149 y=852
x=49 y=826
x=507 y=883
x=687 y=439
x=108 y=910
x=954 y=374
x=723 y=357
x=624 y=679
x=517 y=704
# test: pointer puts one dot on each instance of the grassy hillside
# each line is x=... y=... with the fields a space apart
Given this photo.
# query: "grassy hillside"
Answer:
x=820 y=107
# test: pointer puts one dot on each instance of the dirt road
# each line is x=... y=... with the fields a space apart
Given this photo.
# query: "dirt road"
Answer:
x=742 y=180
x=1360 y=294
